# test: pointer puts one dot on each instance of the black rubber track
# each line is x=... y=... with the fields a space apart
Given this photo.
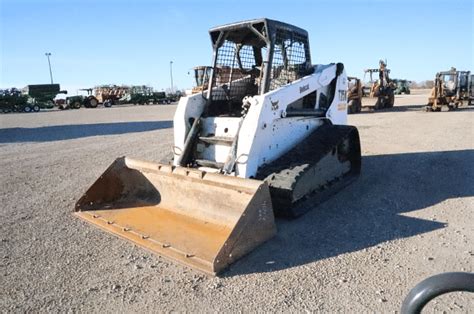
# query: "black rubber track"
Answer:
x=283 y=174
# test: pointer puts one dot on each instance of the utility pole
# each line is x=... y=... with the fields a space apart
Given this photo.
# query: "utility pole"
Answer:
x=171 y=75
x=48 y=54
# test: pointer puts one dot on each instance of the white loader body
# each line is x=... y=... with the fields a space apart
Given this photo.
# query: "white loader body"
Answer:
x=266 y=132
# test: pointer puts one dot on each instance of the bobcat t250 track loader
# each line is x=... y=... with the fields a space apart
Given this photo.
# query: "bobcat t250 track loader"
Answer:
x=268 y=136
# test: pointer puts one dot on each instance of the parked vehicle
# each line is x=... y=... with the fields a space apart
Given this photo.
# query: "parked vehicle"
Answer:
x=110 y=95
x=354 y=95
x=202 y=74
x=382 y=89
x=31 y=98
x=12 y=100
x=451 y=88
x=78 y=101
x=269 y=137
x=41 y=96
x=401 y=86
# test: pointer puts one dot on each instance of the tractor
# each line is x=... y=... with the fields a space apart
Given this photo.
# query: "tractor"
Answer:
x=401 y=87
x=78 y=101
x=450 y=89
x=382 y=89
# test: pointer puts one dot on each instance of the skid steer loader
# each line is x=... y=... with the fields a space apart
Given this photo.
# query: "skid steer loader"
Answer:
x=268 y=136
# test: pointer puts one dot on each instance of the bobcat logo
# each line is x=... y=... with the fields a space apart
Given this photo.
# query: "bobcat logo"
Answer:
x=274 y=104
x=304 y=88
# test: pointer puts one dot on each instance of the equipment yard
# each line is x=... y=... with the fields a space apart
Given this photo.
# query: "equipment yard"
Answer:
x=409 y=216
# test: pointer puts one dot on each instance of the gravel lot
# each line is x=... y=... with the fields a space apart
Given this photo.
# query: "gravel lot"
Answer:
x=409 y=216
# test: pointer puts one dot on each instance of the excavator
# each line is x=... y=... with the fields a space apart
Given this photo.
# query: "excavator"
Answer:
x=268 y=137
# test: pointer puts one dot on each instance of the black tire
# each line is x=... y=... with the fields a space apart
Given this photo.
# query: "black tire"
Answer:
x=27 y=109
x=351 y=107
x=390 y=101
x=453 y=106
x=359 y=106
x=93 y=102
x=108 y=103
x=378 y=104
x=36 y=108
x=50 y=104
x=76 y=105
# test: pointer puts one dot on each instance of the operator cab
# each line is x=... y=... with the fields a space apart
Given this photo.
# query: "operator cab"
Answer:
x=449 y=83
x=252 y=58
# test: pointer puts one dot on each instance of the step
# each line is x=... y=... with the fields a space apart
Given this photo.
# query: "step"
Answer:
x=223 y=140
x=210 y=163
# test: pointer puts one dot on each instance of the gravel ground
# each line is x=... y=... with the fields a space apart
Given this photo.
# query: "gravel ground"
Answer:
x=409 y=216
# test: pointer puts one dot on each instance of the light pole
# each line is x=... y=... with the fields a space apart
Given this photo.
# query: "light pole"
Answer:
x=171 y=75
x=48 y=54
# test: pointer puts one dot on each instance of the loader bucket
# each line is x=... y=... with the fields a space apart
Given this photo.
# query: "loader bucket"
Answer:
x=202 y=220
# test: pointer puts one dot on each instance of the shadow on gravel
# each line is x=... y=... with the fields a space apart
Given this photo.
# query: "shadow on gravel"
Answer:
x=67 y=132
x=422 y=108
x=405 y=108
x=368 y=212
x=371 y=109
x=408 y=108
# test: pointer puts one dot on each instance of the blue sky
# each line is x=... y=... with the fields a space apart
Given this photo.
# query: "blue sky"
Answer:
x=133 y=42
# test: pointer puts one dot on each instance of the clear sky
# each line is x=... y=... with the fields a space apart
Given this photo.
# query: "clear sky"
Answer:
x=133 y=42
